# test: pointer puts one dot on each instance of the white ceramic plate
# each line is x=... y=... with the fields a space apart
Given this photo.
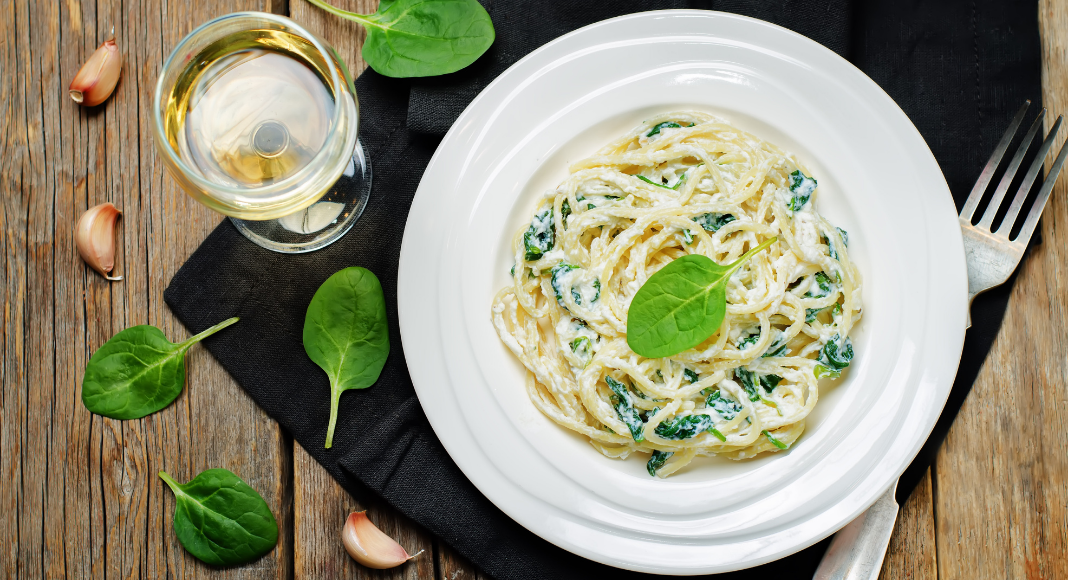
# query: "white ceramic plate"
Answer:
x=877 y=179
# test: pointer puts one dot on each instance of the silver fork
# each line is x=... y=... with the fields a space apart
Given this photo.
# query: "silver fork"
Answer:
x=857 y=550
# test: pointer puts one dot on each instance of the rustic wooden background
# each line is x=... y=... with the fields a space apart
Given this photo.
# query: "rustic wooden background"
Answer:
x=79 y=495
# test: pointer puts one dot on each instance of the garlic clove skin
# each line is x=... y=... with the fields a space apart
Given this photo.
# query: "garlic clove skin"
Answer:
x=95 y=237
x=369 y=546
x=97 y=78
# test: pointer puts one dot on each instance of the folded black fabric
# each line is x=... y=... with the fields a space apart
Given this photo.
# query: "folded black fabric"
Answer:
x=958 y=69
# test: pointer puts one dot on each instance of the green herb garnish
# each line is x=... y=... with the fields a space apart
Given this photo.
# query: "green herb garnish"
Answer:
x=712 y=222
x=773 y=440
x=834 y=357
x=624 y=406
x=539 y=237
x=681 y=305
x=657 y=461
x=666 y=124
x=801 y=188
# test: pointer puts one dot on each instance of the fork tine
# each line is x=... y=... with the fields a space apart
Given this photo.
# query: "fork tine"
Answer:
x=1043 y=196
x=1010 y=174
x=995 y=159
x=1029 y=179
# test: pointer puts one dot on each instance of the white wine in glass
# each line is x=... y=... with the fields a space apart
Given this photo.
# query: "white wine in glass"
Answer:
x=257 y=119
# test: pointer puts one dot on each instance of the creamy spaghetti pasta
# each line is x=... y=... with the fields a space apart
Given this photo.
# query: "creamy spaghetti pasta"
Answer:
x=682 y=183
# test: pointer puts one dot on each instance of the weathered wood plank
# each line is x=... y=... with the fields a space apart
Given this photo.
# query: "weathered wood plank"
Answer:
x=321 y=506
x=1000 y=498
x=911 y=554
x=80 y=497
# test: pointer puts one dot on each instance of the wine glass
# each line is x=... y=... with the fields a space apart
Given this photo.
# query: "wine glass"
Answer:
x=257 y=118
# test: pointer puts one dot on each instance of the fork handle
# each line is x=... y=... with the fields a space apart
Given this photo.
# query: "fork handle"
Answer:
x=857 y=550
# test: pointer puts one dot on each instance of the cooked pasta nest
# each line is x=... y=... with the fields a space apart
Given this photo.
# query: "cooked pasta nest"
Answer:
x=681 y=183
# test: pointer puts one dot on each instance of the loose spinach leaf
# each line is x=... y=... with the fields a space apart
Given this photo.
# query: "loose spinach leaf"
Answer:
x=769 y=382
x=845 y=236
x=690 y=376
x=597 y=290
x=684 y=427
x=657 y=461
x=624 y=406
x=801 y=188
x=565 y=210
x=834 y=357
x=220 y=520
x=346 y=334
x=726 y=407
x=711 y=222
x=138 y=372
x=774 y=441
x=421 y=38
x=656 y=128
x=681 y=305
x=687 y=235
x=540 y=236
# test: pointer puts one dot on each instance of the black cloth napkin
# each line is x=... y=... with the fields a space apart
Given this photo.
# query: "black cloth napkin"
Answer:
x=958 y=69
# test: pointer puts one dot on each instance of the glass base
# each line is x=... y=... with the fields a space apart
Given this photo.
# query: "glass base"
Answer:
x=323 y=222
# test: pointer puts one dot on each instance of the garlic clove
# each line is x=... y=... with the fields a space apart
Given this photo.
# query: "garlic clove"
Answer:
x=97 y=78
x=369 y=546
x=95 y=237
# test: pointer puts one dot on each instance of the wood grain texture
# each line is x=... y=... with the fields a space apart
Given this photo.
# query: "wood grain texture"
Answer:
x=1000 y=491
x=80 y=496
x=911 y=555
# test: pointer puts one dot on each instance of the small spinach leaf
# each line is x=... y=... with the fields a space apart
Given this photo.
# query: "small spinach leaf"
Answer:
x=684 y=427
x=539 y=237
x=691 y=376
x=656 y=128
x=220 y=520
x=778 y=346
x=681 y=305
x=583 y=349
x=845 y=236
x=748 y=379
x=749 y=340
x=421 y=38
x=138 y=372
x=726 y=407
x=624 y=406
x=834 y=357
x=346 y=334
x=801 y=188
x=657 y=461
x=557 y=281
x=823 y=286
x=769 y=382
x=712 y=222
x=687 y=235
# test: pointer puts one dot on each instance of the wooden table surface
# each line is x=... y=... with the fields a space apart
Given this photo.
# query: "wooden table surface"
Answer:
x=79 y=495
